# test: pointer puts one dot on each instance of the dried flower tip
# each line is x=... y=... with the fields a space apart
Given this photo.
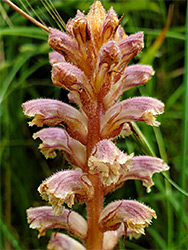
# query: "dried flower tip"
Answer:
x=42 y=219
x=109 y=161
x=134 y=215
x=110 y=26
x=61 y=241
x=65 y=187
x=96 y=17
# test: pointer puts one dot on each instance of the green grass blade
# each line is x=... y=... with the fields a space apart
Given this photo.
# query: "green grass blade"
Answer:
x=184 y=155
x=6 y=232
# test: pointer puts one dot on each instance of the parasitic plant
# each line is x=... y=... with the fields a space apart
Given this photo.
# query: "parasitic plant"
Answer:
x=91 y=61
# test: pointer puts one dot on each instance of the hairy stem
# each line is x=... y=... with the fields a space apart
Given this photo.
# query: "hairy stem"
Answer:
x=95 y=206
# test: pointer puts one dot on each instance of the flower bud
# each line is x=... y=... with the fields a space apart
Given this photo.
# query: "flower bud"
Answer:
x=61 y=241
x=55 y=57
x=64 y=44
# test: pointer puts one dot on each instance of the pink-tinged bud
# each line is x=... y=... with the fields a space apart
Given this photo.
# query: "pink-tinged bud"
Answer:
x=111 y=238
x=109 y=161
x=61 y=241
x=42 y=219
x=52 y=112
x=110 y=26
x=55 y=57
x=72 y=78
x=134 y=215
x=130 y=46
x=134 y=109
x=58 y=139
x=66 y=75
x=64 y=44
x=109 y=56
x=143 y=169
x=64 y=187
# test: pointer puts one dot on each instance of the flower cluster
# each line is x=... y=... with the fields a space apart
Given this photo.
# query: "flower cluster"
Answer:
x=90 y=60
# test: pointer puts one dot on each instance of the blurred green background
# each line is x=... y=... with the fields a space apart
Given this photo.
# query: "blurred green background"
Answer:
x=25 y=74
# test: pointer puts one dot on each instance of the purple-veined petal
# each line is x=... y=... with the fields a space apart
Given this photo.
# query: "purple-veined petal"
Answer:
x=52 y=112
x=135 y=75
x=42 y=219
x=143 y=169
x=133 y=109
x=109 y=55
x=61 y=241
x=58 y=139
x=64 y=187
x=134 y=215
x=56 y=57
x=132 y=76
x=109 y=161
x=130 y=46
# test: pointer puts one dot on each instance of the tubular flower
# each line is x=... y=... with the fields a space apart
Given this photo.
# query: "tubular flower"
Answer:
x=108 y=160
x=90 y=61
x=64 y=187
x=42 y=219
x=143 y=169
x=58 y=139
x=134 y=215
x=52 y=112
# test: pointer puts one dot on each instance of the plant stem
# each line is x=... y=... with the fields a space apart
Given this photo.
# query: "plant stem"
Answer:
x=94 y=206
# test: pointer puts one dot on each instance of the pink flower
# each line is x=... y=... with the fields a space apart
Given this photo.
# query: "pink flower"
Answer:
x=42 y=219
x=133 y=214
x=65 y=187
